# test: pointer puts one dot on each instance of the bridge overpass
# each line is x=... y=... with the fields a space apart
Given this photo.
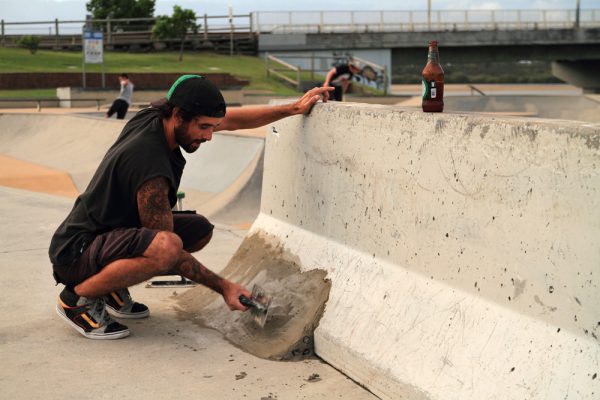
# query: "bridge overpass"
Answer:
x=392 y=38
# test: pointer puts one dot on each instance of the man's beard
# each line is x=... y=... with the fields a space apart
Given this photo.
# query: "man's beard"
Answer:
x=184 y=141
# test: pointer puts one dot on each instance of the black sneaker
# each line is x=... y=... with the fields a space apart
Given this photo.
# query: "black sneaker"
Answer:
x=120 y=305
x=89 y=317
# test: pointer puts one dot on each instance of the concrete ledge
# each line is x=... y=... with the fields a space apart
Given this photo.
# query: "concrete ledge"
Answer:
x=462 y=249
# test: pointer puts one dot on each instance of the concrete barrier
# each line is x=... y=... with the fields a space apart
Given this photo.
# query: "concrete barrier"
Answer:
x=463 y=251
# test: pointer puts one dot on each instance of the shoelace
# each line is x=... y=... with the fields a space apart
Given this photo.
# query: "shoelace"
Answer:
x=99 y=311
x=126 y=296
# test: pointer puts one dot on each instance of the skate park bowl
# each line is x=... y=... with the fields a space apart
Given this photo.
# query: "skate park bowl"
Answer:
x=458 y=254
x=58 y=154
x=434 y=256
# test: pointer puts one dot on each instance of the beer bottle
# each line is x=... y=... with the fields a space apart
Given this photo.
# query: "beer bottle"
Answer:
x=433 y=81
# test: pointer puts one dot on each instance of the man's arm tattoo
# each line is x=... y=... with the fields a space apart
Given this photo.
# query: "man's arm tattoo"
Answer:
x=153 y=205
x=192 y=269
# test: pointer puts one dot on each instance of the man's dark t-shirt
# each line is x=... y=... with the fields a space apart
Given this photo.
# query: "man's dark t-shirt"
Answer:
x=110 y=201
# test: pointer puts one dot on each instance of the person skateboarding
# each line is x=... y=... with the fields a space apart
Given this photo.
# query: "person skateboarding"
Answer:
x=121 y=230
x=339 y=78
x=122 y=103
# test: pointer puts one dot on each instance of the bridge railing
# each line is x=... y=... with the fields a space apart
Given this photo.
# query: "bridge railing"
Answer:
x=67 y=33
x=414 y=21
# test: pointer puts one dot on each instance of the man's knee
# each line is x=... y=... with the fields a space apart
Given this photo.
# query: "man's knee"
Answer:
x=165 y=249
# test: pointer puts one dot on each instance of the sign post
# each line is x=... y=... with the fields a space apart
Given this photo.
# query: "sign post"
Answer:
x=230 y=9
x=93 y=52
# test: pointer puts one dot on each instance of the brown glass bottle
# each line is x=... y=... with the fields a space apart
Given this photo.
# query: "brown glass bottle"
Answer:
x=433 y=81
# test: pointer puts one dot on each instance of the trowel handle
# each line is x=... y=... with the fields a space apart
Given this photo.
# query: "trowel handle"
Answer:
x=246 y=301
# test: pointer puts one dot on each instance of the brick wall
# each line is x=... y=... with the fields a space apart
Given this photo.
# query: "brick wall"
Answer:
x=142 y=81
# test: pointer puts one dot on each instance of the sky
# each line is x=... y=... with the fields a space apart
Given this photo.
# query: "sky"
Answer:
x=44 y=10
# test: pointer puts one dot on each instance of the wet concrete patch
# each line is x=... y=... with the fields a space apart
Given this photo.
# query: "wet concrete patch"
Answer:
x=298 y=301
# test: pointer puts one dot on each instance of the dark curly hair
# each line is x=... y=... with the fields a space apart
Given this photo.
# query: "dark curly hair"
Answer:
x=166 y=110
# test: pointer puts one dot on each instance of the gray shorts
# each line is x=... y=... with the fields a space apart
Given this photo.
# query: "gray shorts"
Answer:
x=128 y=243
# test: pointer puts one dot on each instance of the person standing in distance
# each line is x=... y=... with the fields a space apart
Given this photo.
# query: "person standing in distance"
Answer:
x=121 y=230
x=339 y=77
x=122 y=103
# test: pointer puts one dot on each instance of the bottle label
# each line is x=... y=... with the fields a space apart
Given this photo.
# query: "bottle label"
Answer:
x=433 y=56
x=429 y=89
x=432 y=90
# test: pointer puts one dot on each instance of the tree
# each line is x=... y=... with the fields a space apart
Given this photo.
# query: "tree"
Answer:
x=177 y=26
x=103 y=9
x=30 y=42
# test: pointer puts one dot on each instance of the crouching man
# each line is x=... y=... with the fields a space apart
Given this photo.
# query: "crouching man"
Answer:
x=121 y=230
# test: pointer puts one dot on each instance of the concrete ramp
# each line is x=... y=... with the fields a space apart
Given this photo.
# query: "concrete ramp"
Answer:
x=75 y=145
x=219 y=170
x=71 y=144
x=463 y=252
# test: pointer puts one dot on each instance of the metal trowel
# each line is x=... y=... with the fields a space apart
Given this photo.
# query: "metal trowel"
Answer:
x=258 y=304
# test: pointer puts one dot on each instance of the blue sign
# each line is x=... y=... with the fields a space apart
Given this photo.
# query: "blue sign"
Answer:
x=92 y=35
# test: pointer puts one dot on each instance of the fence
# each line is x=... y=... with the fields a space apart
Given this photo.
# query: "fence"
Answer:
x=67 y=33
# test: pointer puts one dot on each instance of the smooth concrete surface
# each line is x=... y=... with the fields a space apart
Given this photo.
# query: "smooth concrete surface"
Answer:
x=56 y=142
x=76 y=144
x=463 y=250
x=25 y=175
x=219 y=170
x=165 y=357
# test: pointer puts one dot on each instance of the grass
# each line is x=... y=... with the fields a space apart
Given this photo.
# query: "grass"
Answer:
x=246 y=67
x=16 y=94
x=490 y=72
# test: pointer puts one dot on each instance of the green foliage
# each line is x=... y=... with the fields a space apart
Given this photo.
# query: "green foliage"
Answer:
x=177 y=26
x=103 y=9
x=30 y=42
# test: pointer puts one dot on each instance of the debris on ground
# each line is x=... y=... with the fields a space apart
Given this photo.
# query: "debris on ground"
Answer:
x=313 y=378
x=241 y=375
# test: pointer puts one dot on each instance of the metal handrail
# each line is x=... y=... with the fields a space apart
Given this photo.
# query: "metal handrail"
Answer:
x=381 y=71
x=275 y=71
